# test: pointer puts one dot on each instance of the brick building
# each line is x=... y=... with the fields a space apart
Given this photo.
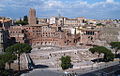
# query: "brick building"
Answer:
x=89 y=36
x=5 y=23
x=52 y=32
x=32 y=16
x=17 y=32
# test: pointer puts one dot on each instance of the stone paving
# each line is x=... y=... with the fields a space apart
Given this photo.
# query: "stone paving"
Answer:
x=51 y=58
x=81 y=60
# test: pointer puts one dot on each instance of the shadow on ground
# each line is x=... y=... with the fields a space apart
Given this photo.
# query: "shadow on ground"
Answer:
x=118 y=56
x=32 y=65
x=40 y=66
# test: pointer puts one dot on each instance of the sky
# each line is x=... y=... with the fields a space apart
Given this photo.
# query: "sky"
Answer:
x=91 y=9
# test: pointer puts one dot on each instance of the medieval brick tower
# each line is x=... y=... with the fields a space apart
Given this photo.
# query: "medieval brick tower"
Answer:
x=32 y=16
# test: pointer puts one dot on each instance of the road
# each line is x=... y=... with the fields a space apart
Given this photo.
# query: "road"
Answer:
x=43 y=73
x=109 y=71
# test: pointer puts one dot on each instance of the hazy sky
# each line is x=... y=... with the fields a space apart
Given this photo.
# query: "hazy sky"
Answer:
x=94 y=9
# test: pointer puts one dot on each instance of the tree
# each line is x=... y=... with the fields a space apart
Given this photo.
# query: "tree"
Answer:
x=100 y=24
x=115 y=46
x=9 y=58
x=97 y=49
x=6 y=58
x=25 y=18
x=66 y=62
x=108 y=55
x=18 y=49
x=22 y=22
x=3 y=61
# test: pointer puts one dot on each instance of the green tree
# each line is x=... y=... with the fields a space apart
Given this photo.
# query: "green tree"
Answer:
x=115 y=46
x=97 y=49
x=9 y=58
x=2 y=63
x=108 y=55
x=22 y=22
x=66 y=62
x=6 y=58
x=19 y=49
x=25 y=18
x=100 y=24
